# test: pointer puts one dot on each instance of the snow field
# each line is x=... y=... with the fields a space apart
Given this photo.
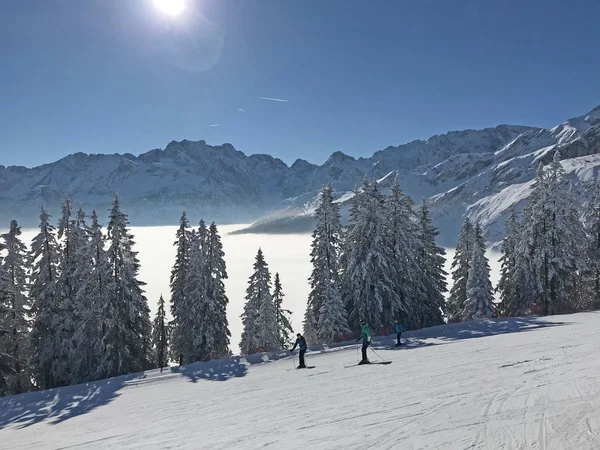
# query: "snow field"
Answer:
x=505 y=383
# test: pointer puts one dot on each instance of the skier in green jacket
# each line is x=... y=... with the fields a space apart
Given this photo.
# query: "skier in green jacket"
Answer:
x=365 y=335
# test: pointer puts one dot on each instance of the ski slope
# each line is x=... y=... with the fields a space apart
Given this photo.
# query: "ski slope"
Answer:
x=529 y=383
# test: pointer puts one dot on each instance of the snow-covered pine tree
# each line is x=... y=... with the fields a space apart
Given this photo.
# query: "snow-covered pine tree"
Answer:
x=125 y=313
x=181 y=300
x=215 y=327
x=367 y=283
x=283 y=315
x=326 y=315
x=403 y=241
x=6 y=363
x=15 y=320
x=460 y=271
x=552 y=237
x=160 y=336
x=592 y=274
x=67 y=290
x=259 y=318
x=430 y=260
x=91 y=277
x=45 y=304
x=514 y=286
x=479 y=303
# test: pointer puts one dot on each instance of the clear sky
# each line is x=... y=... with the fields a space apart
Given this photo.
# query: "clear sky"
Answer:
x=105 y=76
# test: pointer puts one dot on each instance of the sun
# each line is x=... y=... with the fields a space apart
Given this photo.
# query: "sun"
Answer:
x=171 y=8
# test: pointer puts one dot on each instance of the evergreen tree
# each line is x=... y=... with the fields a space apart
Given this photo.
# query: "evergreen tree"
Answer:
x=552 y=238
x=45 y=304
x=283 y=315
x=160 y=336
x=367 y=276
x=592 y=274
x=430 y=261
x=326 y=316
x=514 y=285
x=182 y=307
x=402 y=239
x=215 y=327
x=14 y=313
x=460 y=271
x=125 y=313
x=91 y=277
x=259 y=318
x=479 y=303
x=66 y=285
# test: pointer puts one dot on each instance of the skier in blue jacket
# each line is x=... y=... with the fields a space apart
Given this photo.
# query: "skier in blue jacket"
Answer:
x=398 y=332
x=301 y=344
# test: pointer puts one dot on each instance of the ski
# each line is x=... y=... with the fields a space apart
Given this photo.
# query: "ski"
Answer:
x=383 y=363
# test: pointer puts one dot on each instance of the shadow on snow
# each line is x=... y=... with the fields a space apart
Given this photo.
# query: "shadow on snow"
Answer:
x=60 y=404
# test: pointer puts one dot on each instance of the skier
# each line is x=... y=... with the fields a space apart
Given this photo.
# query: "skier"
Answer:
x=398 y=332
x=301 y=344
x=365 y=335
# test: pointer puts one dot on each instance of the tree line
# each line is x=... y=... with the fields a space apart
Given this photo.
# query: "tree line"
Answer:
x=72 y=308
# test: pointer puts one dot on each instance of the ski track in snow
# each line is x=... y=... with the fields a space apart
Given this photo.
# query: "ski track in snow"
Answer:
x=503 y=384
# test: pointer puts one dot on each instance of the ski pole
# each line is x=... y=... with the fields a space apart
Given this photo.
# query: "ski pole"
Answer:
x=293 y=360
x=377 y=354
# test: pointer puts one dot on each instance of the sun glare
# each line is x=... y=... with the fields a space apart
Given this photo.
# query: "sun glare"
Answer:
x=171 y=8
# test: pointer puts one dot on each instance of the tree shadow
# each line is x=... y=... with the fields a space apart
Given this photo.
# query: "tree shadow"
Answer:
x=60 y=404
x=445 y=334
x=215 y=370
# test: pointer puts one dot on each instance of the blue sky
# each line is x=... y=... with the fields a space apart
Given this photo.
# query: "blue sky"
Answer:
x=106 y=76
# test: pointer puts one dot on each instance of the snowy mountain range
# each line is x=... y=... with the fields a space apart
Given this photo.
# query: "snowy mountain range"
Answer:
x=478 y=173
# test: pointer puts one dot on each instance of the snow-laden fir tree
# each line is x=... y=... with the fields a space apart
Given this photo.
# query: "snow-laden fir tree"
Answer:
x=182 y=304
x=15 y=314
x=326 y=315
x=460 y=271
x=45 y=304
x=91 y=276
x=67 y=289
x=215 y=327
x=367 y=280
x=6 y=363
x=125 y=313
x=479 y=303
x=592 y=274
x=283 y=315
x=260 y=332
x=514 y=287
x=160 y=336
x=431 y=274
x=553 y=235
x=403 y=241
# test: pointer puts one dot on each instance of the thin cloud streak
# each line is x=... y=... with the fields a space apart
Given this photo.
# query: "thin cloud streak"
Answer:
x=241 y=110
x=271 y=99
x=215 y=124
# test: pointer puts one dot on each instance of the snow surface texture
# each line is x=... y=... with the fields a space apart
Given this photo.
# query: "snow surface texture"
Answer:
x=522 y=383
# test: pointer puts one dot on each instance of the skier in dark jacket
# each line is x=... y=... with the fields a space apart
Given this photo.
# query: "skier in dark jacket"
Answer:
x=399 y=330
x=301 y=344
x=365 y=335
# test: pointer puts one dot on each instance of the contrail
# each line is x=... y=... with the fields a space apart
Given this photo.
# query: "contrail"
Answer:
x=273 y=99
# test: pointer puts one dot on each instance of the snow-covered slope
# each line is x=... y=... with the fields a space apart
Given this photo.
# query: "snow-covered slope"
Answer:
x=508 y=383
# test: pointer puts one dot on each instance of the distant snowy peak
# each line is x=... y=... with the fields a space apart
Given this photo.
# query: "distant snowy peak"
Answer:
x=478 y=173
